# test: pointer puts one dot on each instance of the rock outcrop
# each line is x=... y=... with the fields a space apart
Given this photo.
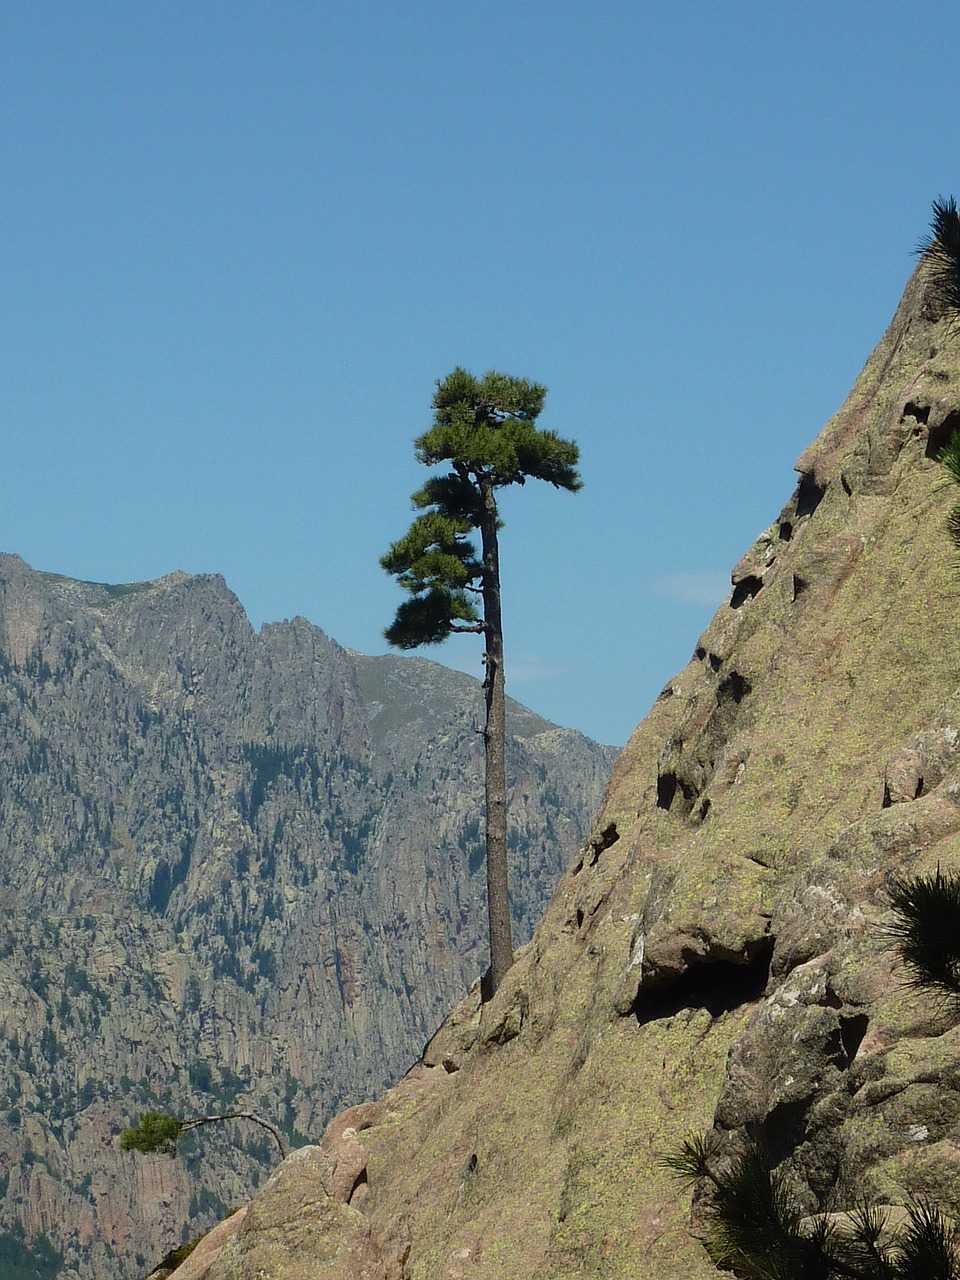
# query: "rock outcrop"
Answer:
x=717 y=956
x=236 y=869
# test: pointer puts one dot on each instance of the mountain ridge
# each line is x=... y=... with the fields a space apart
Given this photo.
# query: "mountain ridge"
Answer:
x=203 y=842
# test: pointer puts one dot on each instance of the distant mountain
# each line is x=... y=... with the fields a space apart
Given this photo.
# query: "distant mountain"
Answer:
x=233 y=866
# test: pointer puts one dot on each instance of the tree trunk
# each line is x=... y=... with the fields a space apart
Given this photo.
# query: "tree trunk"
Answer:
x=495 y=734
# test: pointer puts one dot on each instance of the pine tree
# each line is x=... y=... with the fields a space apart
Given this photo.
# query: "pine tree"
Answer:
x=485 y=430
x=158 y=1133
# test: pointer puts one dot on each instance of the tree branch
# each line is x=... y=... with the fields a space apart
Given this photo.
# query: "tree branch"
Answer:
x=195 y=1122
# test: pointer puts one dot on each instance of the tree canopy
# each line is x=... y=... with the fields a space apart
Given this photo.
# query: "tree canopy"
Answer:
x=485 y=428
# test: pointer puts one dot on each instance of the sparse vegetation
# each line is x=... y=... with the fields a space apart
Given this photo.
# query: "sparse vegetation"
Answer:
x=926 y=931
x=940 y=250
x=756 y=1228
x=755 y=1225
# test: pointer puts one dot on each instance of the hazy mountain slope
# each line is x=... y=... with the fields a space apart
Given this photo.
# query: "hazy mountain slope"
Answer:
x=231 y=865
x=718 y=955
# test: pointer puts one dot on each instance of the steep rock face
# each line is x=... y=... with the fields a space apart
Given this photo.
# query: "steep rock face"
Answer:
x=717 y=955
x=231 y=866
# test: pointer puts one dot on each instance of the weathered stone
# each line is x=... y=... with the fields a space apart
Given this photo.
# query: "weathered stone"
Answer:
x=197 y=1265
x=751 y=831
x=903 y=776
x=349 y=1165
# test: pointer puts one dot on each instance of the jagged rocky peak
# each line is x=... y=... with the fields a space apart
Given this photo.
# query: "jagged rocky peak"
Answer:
x=236 y=870
x=716 y=958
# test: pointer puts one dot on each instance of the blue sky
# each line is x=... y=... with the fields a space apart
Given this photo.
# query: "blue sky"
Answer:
x=239 y=242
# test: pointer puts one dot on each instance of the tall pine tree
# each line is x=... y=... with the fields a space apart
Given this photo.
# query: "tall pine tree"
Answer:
x=484 y=430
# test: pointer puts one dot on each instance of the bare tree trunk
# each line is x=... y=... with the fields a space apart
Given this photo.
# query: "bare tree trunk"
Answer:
x=495 y=733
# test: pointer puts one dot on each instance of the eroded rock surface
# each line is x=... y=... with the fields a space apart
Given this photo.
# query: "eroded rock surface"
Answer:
x=717 y=957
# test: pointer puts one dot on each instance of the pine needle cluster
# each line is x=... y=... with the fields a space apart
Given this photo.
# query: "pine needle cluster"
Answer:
x=940 y=250
x=756 y=1227
x=156 y=1133
x=926 y=931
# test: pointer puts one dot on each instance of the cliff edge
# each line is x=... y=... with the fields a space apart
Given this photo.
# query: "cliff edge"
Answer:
x=716 y=955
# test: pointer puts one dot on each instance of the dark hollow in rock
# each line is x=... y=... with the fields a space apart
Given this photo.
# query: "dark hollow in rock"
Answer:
x=783 y=1129
x=799 y=585
x=671 y=789
x=599 y=844
x=938 y=437
x=701 y=654
x=785 y=531
x=718 y=986
x=852 y=1030
x=919 y=412
x=809 y=496
x=733 y=688
x=745 y=590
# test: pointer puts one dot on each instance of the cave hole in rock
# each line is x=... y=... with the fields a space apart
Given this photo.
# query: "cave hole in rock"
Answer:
x=782 y=1130
x=809 y=495
x=799 y=586
x=673 y=789
x=718 y=986
x=938 y=437
x=919 y=412
x=701 y=654
x=362 y=1181
x=745 y=590
x=599 y=844
x=852 y=1030
x=733 y=688
x=785 y=530
x=845 y=485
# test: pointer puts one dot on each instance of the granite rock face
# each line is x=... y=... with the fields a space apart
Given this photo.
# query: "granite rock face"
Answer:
x=234 y=867
x=717 y=957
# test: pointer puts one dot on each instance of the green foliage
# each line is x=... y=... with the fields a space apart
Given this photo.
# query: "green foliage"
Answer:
x=941 y=252
x=756 y=1228
x=488 y=425
x=38 y=1261
x=485 y=428
x=926 y=931
x=200 y=1075
x=156 y=1132
x=49 y=1044
x=181 y=1253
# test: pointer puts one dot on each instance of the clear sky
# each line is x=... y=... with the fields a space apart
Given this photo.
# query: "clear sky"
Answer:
x=240 y=241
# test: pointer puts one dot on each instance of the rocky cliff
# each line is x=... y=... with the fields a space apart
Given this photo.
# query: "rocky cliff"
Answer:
x=234 y=868
x=717 y=957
